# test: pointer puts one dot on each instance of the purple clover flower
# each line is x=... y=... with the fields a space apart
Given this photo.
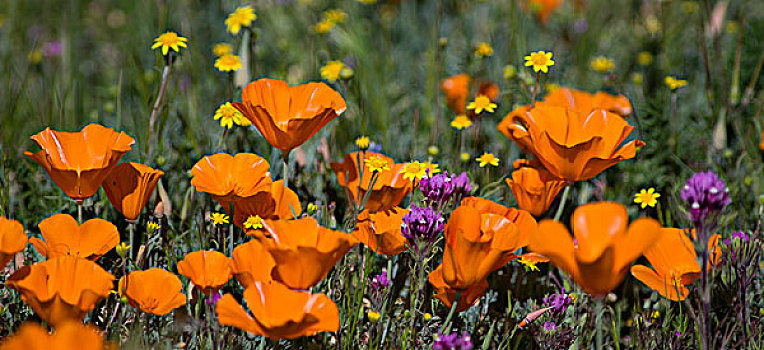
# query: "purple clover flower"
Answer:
x=453 y=341
x=442 y=188
x=213 y=299
x=378 y=284
x=421 y=224
x=706 y=194
x=52 y=48
x=558 y=301
x=549 y=326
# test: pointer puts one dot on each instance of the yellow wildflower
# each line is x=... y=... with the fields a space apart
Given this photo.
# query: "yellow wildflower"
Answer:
x=529 y=264
x=254 y=222
x=655 y=314
x=414 y=170
x=312 y=208
x=433 y=150
x=431 y=168
x=228 y=115
x=219 y=218
x=377 y=163
x=483 y=49
x=169 y=40
x=482 y=103
x=644 y=58
x=153 y=227
x=336 y=16
x=222 y=49
x=674 y=83
x=647 y=197
x=35 y=56
x=510 y=71
x=331 y=71
x=373 y=316
x=602 y=64
x=488 y=158
x=228 y=63
x=362 y=143
x=637 y=78
x=323 y=27
x=242 y=17
x=122 y=249
x=540 y=61
x=427 y=316
x=464 y=157
x=461 y=122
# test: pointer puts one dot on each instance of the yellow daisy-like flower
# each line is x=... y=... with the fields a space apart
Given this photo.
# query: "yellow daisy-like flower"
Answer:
x=336 y=16
x=644 y=58
x=331 y=71
x=674 y=83
x=483 y=49
x=647 y=197
x=254 y=222
x=242 y=17
x=602 y=64
x=373 y=316
x=461 y=122
x=464 y=157
x=229 y=115
x=377 y=164
x=323 y=27
x=219 y=218
x=169 y=40
x=482 y=103
x=312 y=207
x=431 y=168
x=540 y=61
x=529 y=264
x=153 y=227
x=487 y=158
x=655 y=314
x=222 y=49
x=122 y=249
x=414 y=170
x=228 y=63
x=362 y=143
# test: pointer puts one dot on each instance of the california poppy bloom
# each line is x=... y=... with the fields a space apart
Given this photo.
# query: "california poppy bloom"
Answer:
x=129 y=187
x=674 y=265
x=304 y=252
x=584 y=102
x=389 y=189
x=525 y=222
x=447 y=294
x=153 y=291
x=12 y=240
x=541 y=8
x=208 y=270
x=62 y=289
x=69 y=335
x=279 y=312
x=381 y=231
x=252 y=262
x=78 y=162
x=604 y=246
x=289 y=116
x=572 y=146
x=64 y=236
x=230 y=178
x=457 y=90
x=278 y=202
x=534 y=189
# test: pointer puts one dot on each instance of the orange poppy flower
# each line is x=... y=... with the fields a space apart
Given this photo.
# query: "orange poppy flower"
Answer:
x=12 y=240
x=153 y=291
x=289 y=116
x=230 y=178
x=457 y=90
x=674 y=265
x=476 y=245
x=129 y=187
x=252 y=262
x=572 y=146
x=541 y=8
x=70 y=335
x=534 y=189
x=278 y=202
x=603 y=249
x=389 y=189
x=279 y=312
x=714 y=249
x=78 y=162
x=62 y=289
x=208 y=270
x=303 y=251
x=584 y=102
x=64 y=236
x=447 y=294
x=382 y=231
x=525 y=222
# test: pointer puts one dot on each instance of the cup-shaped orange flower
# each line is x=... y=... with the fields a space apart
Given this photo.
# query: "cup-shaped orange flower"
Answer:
x=534 y=189
x=605 y=244
x=64 y=236
x=457 y=90
x=208 y=270
x=153 y=291
x=12 y=240
x=62 y=289
x=78 y=162
x=584 y=102
x=252 y=262
x=304 y=252
x=447 y=294
x=129 y=186
x=525 y=222
x=571 y=145
x=279 y=312
x=289 y=116
x=381 y=231
x=230 y=178
x=389 y=189
x=70 y=335
x=674 y=265
x=278 y=202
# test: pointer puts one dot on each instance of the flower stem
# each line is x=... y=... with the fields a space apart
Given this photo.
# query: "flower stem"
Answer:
x=158 y=103
x=285 y=175
x=446 y=327
x=558 y=214
x=535 y=89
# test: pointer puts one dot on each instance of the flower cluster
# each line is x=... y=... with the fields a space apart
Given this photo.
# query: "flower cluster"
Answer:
x=706 y=194
x=453 y=341
x=422 y=224
x=442 y=189
x=558 y=301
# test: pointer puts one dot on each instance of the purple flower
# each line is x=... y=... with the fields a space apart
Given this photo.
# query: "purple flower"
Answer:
x=52 y=48
x=706 y=194
x=443 y=188
x=453 y=341
x=558 y=301
x=421 y=224
x=549 y=326
x=213 y=299
x=678 y=333
x=461 y=186
x=378 y=284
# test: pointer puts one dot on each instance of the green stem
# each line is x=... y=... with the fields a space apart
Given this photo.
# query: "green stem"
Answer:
x=446 y=327
x=535 y=89
x=285 y=175
x=79 y=211
x=558 y=214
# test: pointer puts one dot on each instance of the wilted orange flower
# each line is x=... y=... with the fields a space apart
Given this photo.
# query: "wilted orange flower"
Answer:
x=534 y=189
x=289 y=116
x=229 y=178
x=69 y=335
x=584 y=102
x=526 y=224
x=153 y=291
x=389 y=189
x=129 y=187
x=62 y=289
x=381 y=231
x=603 y=249
x=279 y=312
x=304 y=252
x=252 y=262
x=572 y=146
x=674 y=265
x=78 y=162
x=64 y=236
x=457 y=90
x=541 y=8
x=208 y=270
x=12 y=240
x=447 y=294
x=278 y=202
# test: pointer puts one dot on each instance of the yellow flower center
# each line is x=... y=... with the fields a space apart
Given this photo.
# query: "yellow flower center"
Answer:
x=377 y=163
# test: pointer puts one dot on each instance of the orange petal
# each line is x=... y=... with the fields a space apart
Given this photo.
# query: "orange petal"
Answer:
x=596 y=226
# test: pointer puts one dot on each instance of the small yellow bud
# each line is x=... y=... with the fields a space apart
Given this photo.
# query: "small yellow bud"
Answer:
x=464 y=157
x=510 y=71
x=362 y=143
x=433 y=150
x=152 y=227
x=655 y=314
x=427 y=316
x=347 y=73
x=122 y=249
x=312 y=208
x=373 y=316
